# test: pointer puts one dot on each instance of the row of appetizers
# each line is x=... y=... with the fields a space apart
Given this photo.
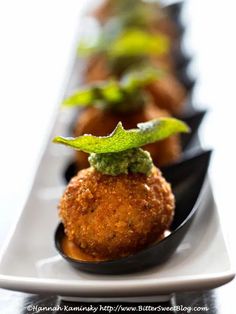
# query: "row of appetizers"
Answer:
x=119 y=202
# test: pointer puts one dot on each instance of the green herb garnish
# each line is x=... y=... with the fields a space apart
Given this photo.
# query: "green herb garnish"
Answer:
x=137 y=42
x=121 y=139
x=121 y=96
x=131 y=42
x=93 y=94
x=134 y=160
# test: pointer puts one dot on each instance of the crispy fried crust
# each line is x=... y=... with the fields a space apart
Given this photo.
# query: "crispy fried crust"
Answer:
x=97 y=69
x=114 y=216
x=168 y=94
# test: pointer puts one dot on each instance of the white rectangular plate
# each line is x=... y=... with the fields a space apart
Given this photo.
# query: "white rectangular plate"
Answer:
x=30 y=262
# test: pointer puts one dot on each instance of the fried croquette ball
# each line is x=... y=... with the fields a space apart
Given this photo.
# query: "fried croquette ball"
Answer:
x=115 y=216
x=162 y=22
x=167 y=27
x=97 y=69
x=101 y=123
x=168 y=93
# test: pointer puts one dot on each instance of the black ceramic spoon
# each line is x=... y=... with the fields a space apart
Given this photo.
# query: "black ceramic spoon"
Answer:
x=184 y=77
x=175 y=10
x=187 y=180
x=193 y=120
x=182 y=59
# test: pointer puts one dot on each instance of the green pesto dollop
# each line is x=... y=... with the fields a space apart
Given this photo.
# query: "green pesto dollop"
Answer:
x=134 y=160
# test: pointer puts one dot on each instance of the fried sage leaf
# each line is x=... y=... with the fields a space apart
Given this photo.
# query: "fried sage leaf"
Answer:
x=121 y=139
x=113 y=91
x=138 y=42
x=130 y=42
x=109 y=91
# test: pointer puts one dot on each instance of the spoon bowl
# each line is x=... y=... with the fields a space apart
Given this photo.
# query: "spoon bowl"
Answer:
x=187 y=180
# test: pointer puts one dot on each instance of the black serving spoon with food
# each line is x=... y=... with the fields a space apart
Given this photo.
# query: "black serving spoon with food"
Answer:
x=188 y=190
x=120 y=47
x=106 y=103
x=151 y=17
x=117 y=214
x=127 y=100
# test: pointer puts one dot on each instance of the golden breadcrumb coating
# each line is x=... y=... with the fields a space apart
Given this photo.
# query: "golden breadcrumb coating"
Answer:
x=114 y=216
x=168 y=93
x=97 y=69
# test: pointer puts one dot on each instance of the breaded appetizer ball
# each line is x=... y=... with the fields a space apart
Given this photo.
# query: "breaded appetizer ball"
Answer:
x=100 y=122
x=97 y=69
x=167 y=92
x=100 y=68
x=122 y=203
x=115 y=216
x=138 y=13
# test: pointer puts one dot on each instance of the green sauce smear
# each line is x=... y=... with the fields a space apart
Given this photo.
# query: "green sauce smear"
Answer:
x=134 y=160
